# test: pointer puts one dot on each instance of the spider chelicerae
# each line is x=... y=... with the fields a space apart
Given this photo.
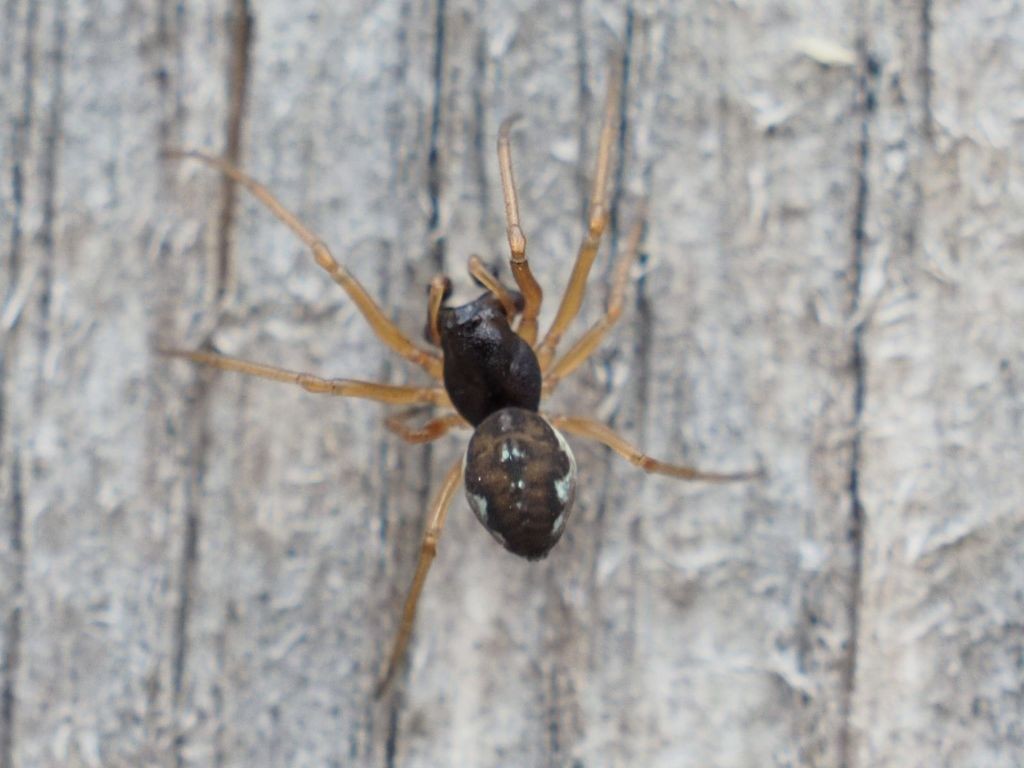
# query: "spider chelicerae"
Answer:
x=491 y=374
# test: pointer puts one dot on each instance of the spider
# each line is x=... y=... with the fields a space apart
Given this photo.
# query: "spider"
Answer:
x=490 y=373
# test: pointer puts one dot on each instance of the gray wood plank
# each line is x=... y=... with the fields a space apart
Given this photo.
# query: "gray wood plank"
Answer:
x=940 y=643
x=204 y=569
x=93 y=504
x=752 y=145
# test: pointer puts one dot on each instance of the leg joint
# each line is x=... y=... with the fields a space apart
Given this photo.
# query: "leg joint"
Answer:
x=429 y=545
x=516 y=242
x=311 y=383
x=323 y=257
x=598 y=220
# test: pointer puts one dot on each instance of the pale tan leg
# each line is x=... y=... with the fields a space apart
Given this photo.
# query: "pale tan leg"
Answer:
x=595 y=430
x=440 y=286
x=492 y=284
x=528 y=286
x=386 y=331
x=428 y=549
x=590 y=341
x=597 y=220
x=382 y=393
x=425 y=433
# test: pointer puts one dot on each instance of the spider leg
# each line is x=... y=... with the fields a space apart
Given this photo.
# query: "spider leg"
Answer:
x=370 y=390
x=425 y=433
x=479 y=272
x=595 y=430
x=597 y=220
x=428 y=549
x=528 y=286
x=590 y=341
x=440 y=287
x=386 y=331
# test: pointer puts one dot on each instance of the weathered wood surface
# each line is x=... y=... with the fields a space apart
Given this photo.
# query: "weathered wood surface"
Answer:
x=201 y=569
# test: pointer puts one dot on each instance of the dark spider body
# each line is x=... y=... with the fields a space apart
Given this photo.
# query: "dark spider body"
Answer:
x=487 y=365
x=519 y=475
x=520 y=481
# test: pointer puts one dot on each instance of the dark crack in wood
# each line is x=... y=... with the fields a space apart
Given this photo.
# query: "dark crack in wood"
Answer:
x=866 y=94
x=51 y=146
x=437 y=250
x=241 y=23
x=12 y=641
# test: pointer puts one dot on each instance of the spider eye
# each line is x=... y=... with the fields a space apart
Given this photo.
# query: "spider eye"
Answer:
x=520 y=480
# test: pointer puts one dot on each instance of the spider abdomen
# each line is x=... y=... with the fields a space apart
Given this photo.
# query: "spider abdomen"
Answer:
x=520 y=480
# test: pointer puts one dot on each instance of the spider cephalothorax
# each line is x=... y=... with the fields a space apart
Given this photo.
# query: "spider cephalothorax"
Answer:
x=487 y=365
x=491 y=372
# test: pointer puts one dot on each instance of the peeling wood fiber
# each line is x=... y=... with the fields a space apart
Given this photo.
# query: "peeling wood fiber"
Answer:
x=201 y=569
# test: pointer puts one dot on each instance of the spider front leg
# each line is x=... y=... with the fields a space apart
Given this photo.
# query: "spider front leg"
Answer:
x=368 y=390
x=386 y=331
x=595 y=430
x=590 y=341
x=528 y=285
x=428 y=549
x=597 y=221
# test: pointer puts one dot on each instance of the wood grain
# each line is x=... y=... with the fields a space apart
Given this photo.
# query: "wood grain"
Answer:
x=203 y=569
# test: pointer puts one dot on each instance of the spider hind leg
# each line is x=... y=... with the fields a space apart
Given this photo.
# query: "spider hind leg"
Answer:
x=428 y=550
x=602 y=433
